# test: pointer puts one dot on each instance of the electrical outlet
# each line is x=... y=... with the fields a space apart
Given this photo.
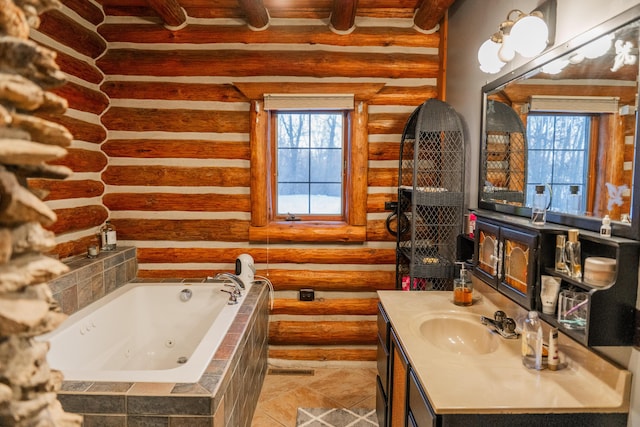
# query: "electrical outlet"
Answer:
x=307 y=294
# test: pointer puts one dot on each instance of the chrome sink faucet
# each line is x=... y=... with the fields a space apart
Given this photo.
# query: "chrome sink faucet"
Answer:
x=502 y=324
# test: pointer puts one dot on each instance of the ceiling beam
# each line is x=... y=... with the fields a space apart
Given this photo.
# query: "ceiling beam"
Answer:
x=429 y=14
x=173 y=15
x=343 y=15
x=256 y=14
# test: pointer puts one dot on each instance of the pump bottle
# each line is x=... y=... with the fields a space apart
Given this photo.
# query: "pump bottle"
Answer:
x=463 y=288
x=108 y=237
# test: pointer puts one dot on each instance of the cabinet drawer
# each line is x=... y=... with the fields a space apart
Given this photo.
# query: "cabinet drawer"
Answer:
x=382 y=357
x=383 y=327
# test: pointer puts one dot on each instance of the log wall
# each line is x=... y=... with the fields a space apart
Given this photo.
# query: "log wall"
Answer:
x=72 y=32
x=165 y=154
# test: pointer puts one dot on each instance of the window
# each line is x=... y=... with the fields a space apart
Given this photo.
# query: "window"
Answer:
x=558 y=146
x=308 y=147
x=275 y=174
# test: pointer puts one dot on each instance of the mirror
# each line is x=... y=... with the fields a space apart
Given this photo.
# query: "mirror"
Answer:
x=567 y=120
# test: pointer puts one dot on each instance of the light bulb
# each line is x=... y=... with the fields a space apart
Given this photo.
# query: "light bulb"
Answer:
x=506 y=52
x=488 y=57
x=529 y=36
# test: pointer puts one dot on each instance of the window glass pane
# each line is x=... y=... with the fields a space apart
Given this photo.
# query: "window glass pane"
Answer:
x=326 y=130
x=293 y=130
x=293 y=165
x=293 y=199
x=326 y=198
x=321 y=159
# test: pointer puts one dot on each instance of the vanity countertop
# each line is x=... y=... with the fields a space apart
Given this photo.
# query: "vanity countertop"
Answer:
x=497 y=382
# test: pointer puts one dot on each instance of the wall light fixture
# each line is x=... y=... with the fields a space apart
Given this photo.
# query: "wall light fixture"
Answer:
x=521 y=33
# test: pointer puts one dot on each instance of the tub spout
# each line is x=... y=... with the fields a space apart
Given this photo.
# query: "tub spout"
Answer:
x=232 y=277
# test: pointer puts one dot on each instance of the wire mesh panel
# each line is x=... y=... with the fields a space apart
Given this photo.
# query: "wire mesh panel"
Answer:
x=430 y=197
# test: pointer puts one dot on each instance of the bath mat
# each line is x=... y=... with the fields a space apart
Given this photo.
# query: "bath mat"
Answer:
x=336 y=417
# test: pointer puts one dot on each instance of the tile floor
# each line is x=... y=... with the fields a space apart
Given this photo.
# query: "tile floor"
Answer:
x=282 y=395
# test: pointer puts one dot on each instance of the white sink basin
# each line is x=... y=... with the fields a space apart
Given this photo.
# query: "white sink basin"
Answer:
x=465 y=336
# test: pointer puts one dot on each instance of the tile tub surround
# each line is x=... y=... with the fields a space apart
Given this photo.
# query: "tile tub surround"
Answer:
x=89 y=279
x=226 y=394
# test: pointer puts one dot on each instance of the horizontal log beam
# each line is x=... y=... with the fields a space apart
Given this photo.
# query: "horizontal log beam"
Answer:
x=78 y=219
x=175 y=120
x=281 y=34
x=70 y=33
x=403 y=95
x=346 y=255
x=387 y=122
x=176 y=176
x=293 y=280
x=177 y=202
x=314 y=353
x=80 y=160
x=375 y=202
x=81 y=130
x=326 y=307
x=389 y=150
x=83 y=98
x=383 y=177
x=323 y=332
x=182 y=230
x=191 y=149
x=79 y=68
x=86 y=9
x=61 y=190
x=377 y=232
x=74 y=247
x=172 y=91
x=307 y=231
x=245 y=63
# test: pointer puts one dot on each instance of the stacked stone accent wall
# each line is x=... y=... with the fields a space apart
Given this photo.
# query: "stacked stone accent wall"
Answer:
x=28 y=387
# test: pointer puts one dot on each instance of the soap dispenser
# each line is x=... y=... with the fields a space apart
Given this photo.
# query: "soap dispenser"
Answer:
x=463 y=288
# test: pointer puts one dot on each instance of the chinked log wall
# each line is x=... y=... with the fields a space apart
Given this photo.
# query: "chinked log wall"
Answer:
x=178 y=174
x=77 y=201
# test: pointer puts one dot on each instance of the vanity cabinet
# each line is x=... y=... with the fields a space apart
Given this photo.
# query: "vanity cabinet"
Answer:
x=506 y=259
x=511 y=255
x=382 y=360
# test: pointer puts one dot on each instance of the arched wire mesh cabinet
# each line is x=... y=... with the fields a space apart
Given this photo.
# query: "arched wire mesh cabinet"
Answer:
x=504 y=156
x=430 y=197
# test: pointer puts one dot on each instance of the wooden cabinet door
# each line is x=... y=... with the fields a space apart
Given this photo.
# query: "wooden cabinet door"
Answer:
x=398 y=384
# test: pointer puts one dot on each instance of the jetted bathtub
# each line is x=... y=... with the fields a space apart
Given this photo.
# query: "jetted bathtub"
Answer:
x=144 y=332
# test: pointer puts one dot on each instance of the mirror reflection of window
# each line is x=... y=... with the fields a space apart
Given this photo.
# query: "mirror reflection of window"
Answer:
x=558 y=148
